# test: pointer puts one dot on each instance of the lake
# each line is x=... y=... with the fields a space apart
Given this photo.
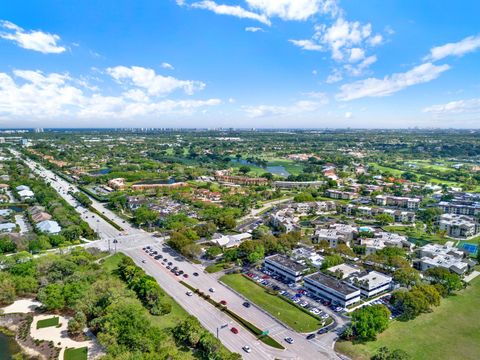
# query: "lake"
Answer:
x=274 y=169
x=8 y=347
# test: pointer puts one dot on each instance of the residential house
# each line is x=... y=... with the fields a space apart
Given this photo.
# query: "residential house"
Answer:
x=458 y=226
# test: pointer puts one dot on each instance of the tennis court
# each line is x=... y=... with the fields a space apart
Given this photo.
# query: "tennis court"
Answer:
x=472 y=249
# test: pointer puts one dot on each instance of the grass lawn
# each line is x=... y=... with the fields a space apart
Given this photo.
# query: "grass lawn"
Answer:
x=76 y=354
x=53 y=321
x=415 y=233
x=284 y=311
x=451 y=331
x=216 y=268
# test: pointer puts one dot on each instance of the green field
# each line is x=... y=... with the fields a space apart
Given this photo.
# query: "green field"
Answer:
x=76 y=354
x=53 y=321
x=281 y=309
x=451 y=331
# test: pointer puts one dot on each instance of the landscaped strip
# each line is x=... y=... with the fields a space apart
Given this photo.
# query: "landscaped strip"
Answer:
x=246 y=324
x=92 y=209
x=53 y=321
x=298 y=319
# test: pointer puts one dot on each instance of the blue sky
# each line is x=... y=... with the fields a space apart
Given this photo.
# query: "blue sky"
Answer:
x=242 y=63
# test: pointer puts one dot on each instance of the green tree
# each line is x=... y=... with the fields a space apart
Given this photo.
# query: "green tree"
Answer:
x=369 y=321
x=77 y=323
x=145 y=216
x=407 y=276
x=7 y=289
x=384 y=219
x=51 y=296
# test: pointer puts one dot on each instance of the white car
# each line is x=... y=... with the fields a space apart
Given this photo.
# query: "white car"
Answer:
x=212 y=290
x=247 y=349
x=189 y=293
x=289 y=340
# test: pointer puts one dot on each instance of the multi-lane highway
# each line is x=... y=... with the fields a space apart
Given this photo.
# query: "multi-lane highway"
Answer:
x=132 y=240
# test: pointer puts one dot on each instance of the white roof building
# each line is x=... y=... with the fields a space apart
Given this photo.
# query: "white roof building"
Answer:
x=49 y=226
x=22 y=187
x=446 y=256
x=229 y=241
x=372 y=283
x=7 y=227
x=26 y=194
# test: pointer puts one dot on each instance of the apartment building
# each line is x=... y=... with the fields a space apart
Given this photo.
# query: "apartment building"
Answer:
x=446 y=256
x=458 y=226
x=470 y=208
x=342 y=195
x=336 y=234
x=398 y=201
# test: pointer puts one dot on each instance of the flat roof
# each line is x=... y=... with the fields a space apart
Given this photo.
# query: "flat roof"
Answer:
x=286 y=262
x=346 y=269
x=332 y=283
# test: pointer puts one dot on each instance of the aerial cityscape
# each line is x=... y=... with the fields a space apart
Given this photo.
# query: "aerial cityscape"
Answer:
x=246 y=179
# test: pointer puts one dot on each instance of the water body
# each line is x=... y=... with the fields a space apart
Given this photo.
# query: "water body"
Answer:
x=101 y=172
x=8 y=347
x=278 y=170
x=162 y=181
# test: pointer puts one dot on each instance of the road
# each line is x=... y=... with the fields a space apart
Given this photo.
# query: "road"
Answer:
x=132 y=240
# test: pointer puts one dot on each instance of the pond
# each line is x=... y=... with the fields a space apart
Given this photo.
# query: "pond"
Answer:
x=278 y=170
x=101 y=172
x=8 y=347
x=158 y=181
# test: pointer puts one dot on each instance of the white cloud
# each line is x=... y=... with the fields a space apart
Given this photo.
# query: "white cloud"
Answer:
x=375 y=40
x=373 y=87
x=316 y=101
x=343 y=36
x=334 y=77
x=356 y=54
x=153 y=83
x=460 y=48
x=167 y=66
x=35 y=95
x=32 y=40
x=307 y=45
x=455 y=107
x=294 y=9
x=232 y=10
x=358 y=69
x=348 y=115
x=253 y=29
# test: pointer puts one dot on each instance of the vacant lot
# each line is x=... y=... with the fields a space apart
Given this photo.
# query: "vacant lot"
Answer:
x=284 y=311
x=166 y=321
x=452 y=331
x=76 y=354
x=53 y=321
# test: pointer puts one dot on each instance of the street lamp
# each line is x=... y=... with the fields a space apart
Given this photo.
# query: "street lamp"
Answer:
x=115 y=241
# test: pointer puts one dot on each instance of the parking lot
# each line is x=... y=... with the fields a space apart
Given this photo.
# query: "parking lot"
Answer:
x=295 y=293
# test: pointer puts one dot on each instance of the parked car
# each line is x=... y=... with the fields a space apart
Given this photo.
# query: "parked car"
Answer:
x=185 y=276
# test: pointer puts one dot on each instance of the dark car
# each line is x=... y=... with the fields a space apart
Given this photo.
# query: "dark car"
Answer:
x=185 y=276
x=223 y=302
x=246 y=304
x=157 y=257
x=169 y=263
x=322 y=331
x=195 y=274
x=234 y=330
x=310 y=336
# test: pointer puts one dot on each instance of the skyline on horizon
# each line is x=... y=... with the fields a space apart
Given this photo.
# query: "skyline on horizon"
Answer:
x=264 y=64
